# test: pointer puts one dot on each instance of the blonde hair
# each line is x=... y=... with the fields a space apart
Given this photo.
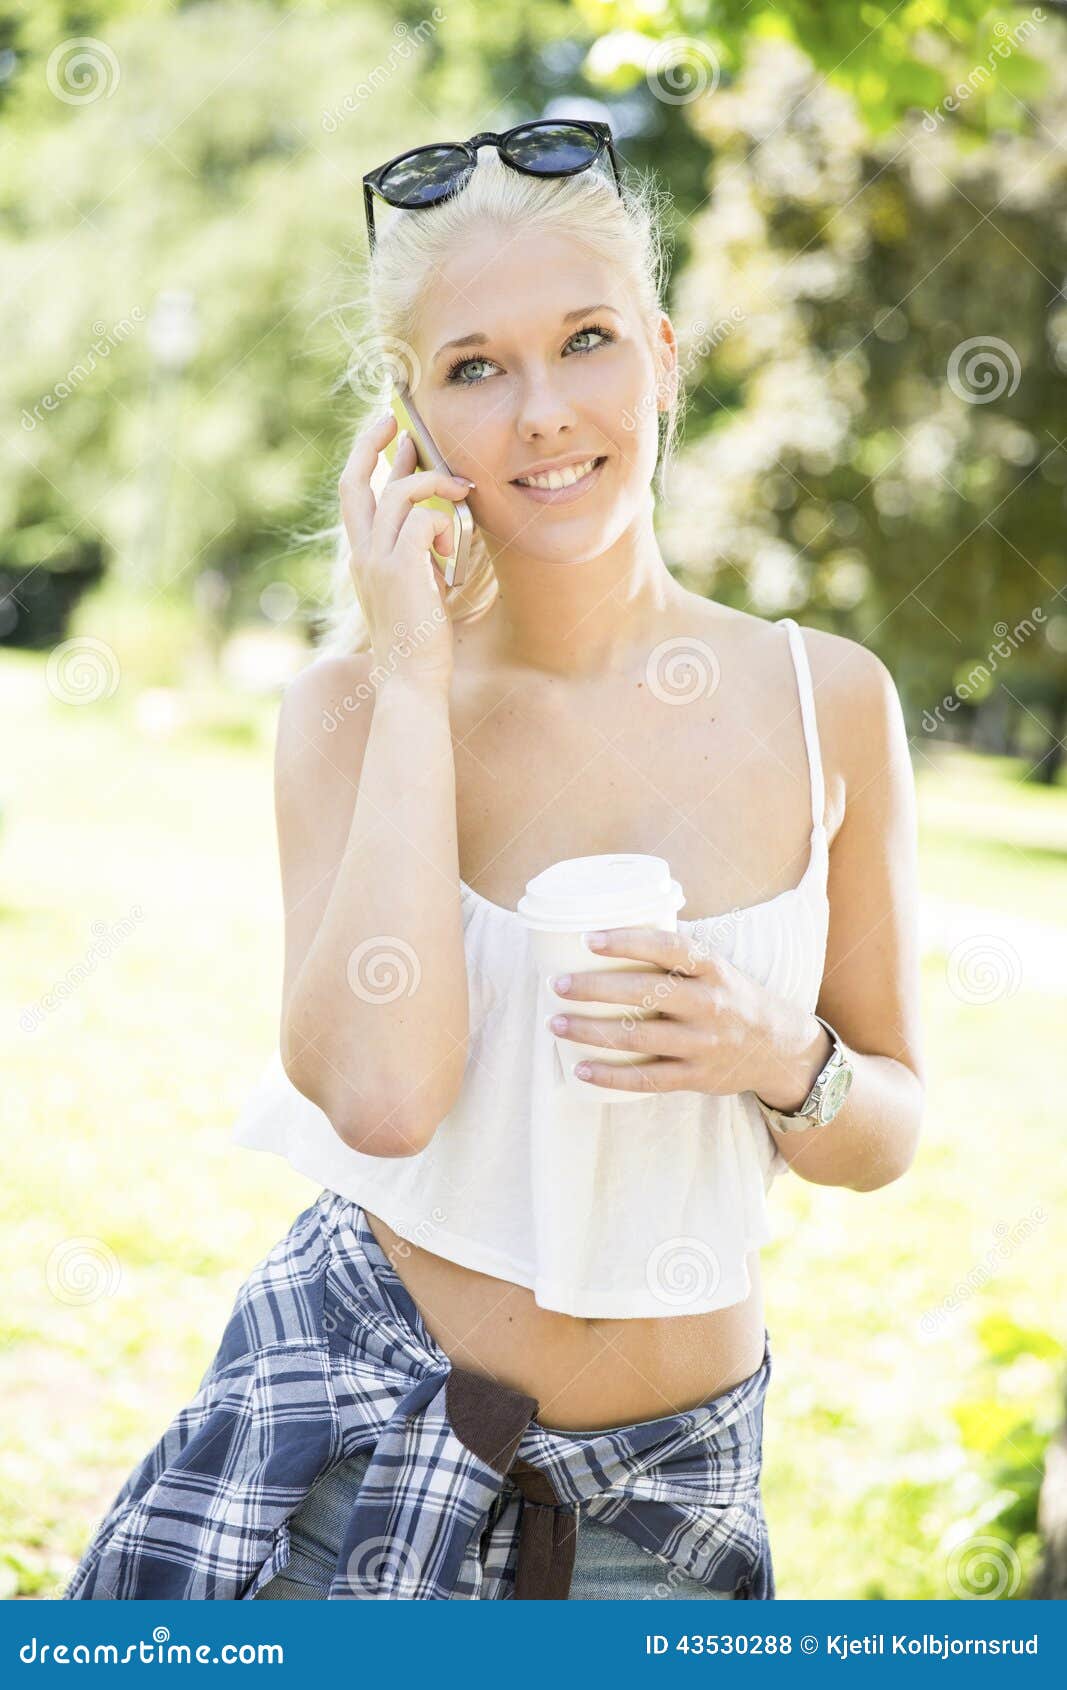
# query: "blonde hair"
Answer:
x=626 y=230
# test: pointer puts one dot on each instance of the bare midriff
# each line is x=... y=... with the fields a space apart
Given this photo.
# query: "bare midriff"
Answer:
x=585 y=1373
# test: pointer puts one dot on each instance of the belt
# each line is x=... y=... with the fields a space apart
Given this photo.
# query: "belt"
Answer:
x=490 y=1418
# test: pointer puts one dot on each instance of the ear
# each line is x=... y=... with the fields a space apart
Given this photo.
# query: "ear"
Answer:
x=666 y=354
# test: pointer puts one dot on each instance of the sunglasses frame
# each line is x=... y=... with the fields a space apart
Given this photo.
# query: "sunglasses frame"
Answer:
x=601 y=133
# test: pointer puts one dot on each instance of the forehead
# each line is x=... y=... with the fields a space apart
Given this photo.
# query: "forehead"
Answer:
x=498 y=286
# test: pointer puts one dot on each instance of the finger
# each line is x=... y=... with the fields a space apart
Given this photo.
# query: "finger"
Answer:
x=672 y=950
x=653 y=1036
x=358 y=503
x=405 y=459
x=663 y=991
x=422 y=529
x=661 y=1076
x=399 y=496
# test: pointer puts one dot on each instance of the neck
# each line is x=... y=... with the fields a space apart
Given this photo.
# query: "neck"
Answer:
x=578 y=620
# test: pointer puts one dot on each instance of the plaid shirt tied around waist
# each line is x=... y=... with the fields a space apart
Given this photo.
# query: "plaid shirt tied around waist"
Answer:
x=466 y=1495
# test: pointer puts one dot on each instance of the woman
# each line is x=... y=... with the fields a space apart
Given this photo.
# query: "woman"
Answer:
x=517 y=1347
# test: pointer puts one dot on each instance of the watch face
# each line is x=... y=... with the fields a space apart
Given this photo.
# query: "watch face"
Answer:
x=836 y=1092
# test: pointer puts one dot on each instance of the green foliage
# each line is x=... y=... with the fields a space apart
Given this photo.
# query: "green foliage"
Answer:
x=875 y=429
x=206 y=164
x=1012 y=1409
x=891 y=56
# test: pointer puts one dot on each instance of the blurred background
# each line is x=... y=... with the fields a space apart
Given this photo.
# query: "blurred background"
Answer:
x=869 y=238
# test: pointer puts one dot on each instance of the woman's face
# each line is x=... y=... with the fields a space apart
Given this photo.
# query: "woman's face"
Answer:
x=557 y=366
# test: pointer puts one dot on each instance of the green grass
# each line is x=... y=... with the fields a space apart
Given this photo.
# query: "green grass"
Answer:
x=885 y=1442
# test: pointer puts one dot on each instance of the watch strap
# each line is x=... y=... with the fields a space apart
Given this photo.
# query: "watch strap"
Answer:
x=809 y=1113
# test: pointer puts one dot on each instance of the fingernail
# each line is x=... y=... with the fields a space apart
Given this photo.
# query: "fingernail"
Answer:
x=595 y=940
x=562 y=983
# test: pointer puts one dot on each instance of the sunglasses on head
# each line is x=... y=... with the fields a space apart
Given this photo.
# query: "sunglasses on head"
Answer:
x=429 y=174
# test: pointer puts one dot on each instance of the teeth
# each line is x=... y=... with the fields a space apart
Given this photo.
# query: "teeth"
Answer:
x=559 y=477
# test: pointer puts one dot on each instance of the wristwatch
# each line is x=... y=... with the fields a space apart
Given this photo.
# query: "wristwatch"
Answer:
x=825 y=1098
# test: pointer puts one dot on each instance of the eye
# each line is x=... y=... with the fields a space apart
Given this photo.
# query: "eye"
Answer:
x=462 y=363
x=594 y=328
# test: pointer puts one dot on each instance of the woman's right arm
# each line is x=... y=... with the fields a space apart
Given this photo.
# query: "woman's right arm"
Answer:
x=374 y=1012
x=375 y=1009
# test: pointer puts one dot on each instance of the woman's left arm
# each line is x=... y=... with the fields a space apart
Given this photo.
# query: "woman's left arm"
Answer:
x=718 y=1030
x=870 y=991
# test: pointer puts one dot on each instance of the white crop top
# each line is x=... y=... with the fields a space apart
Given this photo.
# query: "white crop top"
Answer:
x=646 y=1208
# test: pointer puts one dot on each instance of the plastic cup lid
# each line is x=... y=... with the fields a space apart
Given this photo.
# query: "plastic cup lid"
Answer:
x=600 y=891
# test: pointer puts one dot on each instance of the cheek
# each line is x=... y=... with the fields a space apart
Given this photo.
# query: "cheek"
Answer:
x=471 y=432
x=627 y=398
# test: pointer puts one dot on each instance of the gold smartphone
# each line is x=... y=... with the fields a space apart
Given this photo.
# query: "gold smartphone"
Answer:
x=453 y=566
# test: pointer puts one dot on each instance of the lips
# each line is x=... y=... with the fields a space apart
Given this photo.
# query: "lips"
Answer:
x=567 y=494
x=557 y=480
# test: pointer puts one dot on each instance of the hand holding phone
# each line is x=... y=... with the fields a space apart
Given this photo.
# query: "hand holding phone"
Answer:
x=392 y=527
x=455 y=563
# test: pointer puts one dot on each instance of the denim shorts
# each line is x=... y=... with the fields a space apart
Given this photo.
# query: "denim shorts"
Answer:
x=607 y=1564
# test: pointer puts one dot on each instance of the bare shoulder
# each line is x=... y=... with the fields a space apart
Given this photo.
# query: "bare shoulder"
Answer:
x=856 y=701
x=857 y=707
x=329 y=703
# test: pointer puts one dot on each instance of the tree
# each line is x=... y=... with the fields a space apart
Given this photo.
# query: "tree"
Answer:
x=877 y=351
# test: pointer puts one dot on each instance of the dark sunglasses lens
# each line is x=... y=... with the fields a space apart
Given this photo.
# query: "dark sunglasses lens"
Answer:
x=424 y=178
x=555 y=148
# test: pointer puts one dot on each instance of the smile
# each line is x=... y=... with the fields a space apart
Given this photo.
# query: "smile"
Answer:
x=561 y=485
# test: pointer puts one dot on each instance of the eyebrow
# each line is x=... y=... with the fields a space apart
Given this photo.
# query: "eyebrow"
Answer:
x=483 y=339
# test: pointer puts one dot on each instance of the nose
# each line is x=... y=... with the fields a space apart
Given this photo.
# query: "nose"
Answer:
x=545 y=410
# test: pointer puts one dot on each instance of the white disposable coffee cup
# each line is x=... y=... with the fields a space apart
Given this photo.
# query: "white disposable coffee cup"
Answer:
x=584 y=895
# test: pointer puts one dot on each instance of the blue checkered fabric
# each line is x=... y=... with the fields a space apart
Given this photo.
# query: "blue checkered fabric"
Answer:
x=465 y=1496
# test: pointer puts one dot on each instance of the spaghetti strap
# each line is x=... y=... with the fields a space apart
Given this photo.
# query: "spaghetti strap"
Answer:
x=808 y=717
